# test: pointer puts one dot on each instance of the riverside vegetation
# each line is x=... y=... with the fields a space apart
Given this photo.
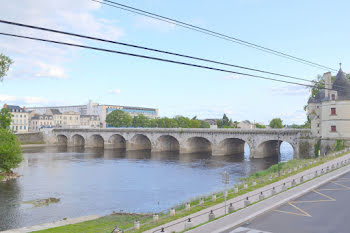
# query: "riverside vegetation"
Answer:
x=125 y=221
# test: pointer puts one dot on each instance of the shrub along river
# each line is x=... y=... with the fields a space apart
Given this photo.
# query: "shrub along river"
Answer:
x=90 y=181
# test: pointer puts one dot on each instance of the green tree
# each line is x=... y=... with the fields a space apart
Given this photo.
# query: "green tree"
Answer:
x=204 y=124
x=257 y=125
x=118 y=118
x=10 y=151
x=5 y=63
x=225 y=122
x=276 y=123
x=5 y=118
x=182 y=122
x=141 y=121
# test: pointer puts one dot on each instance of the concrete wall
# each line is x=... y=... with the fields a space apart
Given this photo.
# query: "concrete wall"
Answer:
x=31 y=138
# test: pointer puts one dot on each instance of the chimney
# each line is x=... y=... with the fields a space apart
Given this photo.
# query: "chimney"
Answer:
x=5 y=105
x=24 y=108
x=328 y=82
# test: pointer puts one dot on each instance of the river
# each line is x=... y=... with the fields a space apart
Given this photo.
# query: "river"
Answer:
x=90 y=181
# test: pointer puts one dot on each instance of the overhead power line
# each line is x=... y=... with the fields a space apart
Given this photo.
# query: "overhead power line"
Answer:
x=211 y=32
x=151 y=49
x=154 y=58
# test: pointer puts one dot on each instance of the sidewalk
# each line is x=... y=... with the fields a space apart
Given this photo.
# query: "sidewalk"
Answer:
x=243 y=215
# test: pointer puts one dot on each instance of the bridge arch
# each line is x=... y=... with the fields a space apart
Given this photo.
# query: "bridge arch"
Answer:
x=139 y=142
x=117 y=141
x=62 y=140
x=271 y=148
x=78 y=140
x=96 y=141
x=229 y=146
x=166 y=143
x=196 y=145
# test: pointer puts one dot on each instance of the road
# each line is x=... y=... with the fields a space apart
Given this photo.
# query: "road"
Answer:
x=323 y=210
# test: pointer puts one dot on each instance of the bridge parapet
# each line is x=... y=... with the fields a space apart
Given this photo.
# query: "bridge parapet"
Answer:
x=262 y=142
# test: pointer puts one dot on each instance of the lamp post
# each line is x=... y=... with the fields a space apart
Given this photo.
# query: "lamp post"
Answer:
x=279 y=155
x=225 y=180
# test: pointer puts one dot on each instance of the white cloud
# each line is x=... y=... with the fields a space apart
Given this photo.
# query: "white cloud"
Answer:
x=115 y=91
x=51 y=71
x=291 y=90
x=34 y=59
x=26 y=100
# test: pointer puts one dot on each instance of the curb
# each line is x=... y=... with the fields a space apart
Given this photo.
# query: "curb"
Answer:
x=279 y=203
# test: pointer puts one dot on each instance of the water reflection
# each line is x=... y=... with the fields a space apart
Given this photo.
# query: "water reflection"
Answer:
x=95 y=181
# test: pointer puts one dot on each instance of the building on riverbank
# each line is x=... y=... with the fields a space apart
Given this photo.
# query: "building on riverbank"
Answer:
x=20 y=118
x=100 y=110
x=329 y=111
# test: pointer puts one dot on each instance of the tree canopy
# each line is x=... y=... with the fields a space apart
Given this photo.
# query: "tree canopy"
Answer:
x=276 y=123
x=118 y=118
x=225 y=122
x=5 y=63
x=5 y=118
x=10 y=151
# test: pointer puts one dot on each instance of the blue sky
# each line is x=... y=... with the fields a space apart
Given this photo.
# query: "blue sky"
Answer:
x=54 y=75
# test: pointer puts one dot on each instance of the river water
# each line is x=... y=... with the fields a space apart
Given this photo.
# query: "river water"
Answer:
x=90 y=181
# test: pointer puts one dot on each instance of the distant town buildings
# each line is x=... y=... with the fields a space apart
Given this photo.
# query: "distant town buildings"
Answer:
x=20 y=118
x=329 y=110
x=92 y=115
x=100 y=110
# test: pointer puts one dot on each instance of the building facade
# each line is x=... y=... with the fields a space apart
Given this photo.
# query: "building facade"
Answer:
x=41 y=121
x=100 y=110
x=19 y=120
x=329 y=110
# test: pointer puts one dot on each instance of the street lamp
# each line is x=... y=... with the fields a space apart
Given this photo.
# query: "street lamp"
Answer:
x=225 y=181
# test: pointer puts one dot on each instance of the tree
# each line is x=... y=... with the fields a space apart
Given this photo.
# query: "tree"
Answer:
x=225 y=122
x=5 y=118
x=5 y=63
x=118 y=118
x=10 y=151
x=276 y=123
x=141 y=121
x=257 y=125
x=204 y=124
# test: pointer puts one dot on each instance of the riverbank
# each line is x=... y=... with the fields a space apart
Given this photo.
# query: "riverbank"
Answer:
x=8 y=176
x=254 y=181
x=31 y=145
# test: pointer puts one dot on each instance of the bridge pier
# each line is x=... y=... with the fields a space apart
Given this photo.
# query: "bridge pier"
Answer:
x=266 y=149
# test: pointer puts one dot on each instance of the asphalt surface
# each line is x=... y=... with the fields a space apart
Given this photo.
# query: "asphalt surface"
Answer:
x=323 y=210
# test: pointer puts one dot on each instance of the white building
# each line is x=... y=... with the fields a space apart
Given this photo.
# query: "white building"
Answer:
x=329 y=111
x=20 y=118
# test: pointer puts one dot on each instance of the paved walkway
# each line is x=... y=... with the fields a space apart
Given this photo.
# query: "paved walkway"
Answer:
x=247 y=213
x=322 y=210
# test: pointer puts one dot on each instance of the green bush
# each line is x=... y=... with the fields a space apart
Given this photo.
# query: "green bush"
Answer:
x=317 y=147
x=340 y=145
x=10 y=151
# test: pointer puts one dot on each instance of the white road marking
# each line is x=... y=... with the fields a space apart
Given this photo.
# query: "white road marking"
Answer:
x=247 y=230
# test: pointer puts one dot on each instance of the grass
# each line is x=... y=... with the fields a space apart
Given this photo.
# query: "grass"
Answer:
x=125 y=221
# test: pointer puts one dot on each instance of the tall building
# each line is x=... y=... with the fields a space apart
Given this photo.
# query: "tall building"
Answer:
x=101 y=110
x=20 y=118
x=329 y=110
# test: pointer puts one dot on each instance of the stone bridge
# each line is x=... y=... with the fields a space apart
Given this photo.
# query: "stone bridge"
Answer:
x=262 y=142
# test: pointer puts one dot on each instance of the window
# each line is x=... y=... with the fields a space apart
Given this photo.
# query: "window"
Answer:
x=318 y=125
x=333 y=96
x=24 y=127
x=333 y=111
x=333 y=128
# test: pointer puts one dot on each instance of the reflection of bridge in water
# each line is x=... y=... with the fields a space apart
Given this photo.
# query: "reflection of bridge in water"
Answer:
x=262 y=142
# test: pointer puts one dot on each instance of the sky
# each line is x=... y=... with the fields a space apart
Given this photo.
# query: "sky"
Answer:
x=45 y=74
